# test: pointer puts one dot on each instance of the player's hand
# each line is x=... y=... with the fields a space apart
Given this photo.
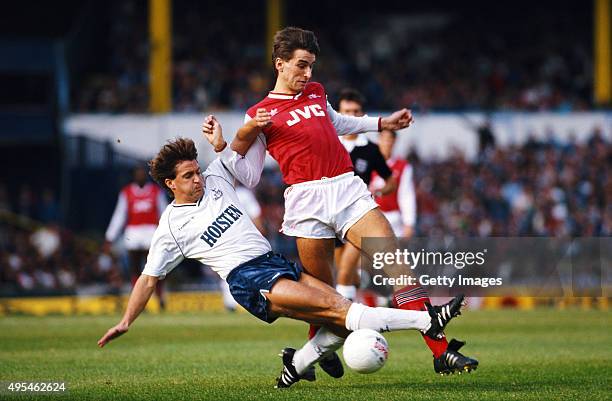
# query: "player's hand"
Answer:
x=398 y=120
x=212 y=131
x=113 y=333
x=263 y=118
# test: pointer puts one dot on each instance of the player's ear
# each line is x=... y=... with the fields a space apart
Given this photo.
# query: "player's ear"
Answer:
x=170 y=183
x=278 y=64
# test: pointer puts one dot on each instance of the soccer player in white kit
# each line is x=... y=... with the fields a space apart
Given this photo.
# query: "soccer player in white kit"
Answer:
x=207 y=222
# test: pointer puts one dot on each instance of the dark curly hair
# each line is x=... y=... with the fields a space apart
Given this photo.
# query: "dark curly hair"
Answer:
x=163 y=166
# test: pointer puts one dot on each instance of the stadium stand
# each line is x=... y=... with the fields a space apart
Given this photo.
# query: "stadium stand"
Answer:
x=445 y=60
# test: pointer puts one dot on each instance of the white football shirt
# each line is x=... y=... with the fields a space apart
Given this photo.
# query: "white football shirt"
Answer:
x=216 y=230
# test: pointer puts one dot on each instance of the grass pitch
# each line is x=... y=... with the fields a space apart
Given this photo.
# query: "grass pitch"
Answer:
x=535 y=355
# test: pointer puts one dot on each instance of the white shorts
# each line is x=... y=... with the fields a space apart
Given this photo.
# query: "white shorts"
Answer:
x=395 y=219
x=326 y=208
x=138 y=237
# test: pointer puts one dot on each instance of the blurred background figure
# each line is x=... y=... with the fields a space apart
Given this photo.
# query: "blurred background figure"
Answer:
x=137 y=213
x=366 y=159
x=399 y=206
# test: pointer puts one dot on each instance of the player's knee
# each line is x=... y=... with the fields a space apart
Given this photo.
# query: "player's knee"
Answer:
x=337 y=305
x=149 y=281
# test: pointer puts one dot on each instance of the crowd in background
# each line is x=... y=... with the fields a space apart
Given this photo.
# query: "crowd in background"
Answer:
x=430 y=61
x=37 y=254
x=541 y=188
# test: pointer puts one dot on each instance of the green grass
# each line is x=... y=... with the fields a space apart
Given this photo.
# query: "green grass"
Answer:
x=537 y=355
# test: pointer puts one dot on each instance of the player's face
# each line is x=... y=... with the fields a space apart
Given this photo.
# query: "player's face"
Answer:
x=351 y=108
x=140 y=176
x=188 y=185
x=296 y=72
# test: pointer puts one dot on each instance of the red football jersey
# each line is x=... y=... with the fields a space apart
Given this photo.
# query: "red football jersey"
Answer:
x=389 y=202
x=302 y=138
x=142 y=204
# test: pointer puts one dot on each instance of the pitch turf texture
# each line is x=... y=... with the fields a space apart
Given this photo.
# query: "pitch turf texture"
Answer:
x=532 y=355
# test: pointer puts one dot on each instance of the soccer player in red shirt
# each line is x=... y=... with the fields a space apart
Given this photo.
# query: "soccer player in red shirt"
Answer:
x=325 y=199
x=139 y=206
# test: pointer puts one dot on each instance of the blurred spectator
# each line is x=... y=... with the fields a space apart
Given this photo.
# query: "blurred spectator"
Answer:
x=46 y=240
x=48 y=209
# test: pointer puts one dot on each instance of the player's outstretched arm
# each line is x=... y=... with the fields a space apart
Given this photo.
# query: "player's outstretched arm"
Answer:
x=396 y=121
x=246 y=169
x=247 y=134
x=345 y=124
x=143 y=289
x=356 y=125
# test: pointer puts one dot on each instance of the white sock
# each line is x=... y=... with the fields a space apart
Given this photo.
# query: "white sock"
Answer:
x=321 y=345
x=360 y=316
x=347 y=291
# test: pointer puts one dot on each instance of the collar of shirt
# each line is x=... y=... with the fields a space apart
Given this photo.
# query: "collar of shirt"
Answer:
x=349 y=145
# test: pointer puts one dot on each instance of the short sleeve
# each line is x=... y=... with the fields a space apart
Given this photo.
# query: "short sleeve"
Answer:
x=164 y=254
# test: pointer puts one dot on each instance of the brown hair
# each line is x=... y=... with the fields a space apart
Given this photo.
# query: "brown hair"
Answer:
x=163 y=165
x=351 y=95
x=290 y=39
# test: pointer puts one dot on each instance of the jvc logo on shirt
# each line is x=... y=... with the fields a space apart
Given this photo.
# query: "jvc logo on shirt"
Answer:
x=221 y=224
x=306 y=112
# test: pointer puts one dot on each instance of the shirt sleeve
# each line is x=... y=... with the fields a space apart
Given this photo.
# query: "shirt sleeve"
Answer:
x=119 y=218
x=164 y=254
x=249 y=202
x=246 y=169
x=406 y=197
x=345 y=125
x=379 y=163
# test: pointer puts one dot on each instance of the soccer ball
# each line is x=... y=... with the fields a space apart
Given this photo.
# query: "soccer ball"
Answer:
x=365 y=351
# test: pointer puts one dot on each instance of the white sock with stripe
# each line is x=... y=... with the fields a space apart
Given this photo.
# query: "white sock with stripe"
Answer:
x=360 y=316
x=322 y=344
